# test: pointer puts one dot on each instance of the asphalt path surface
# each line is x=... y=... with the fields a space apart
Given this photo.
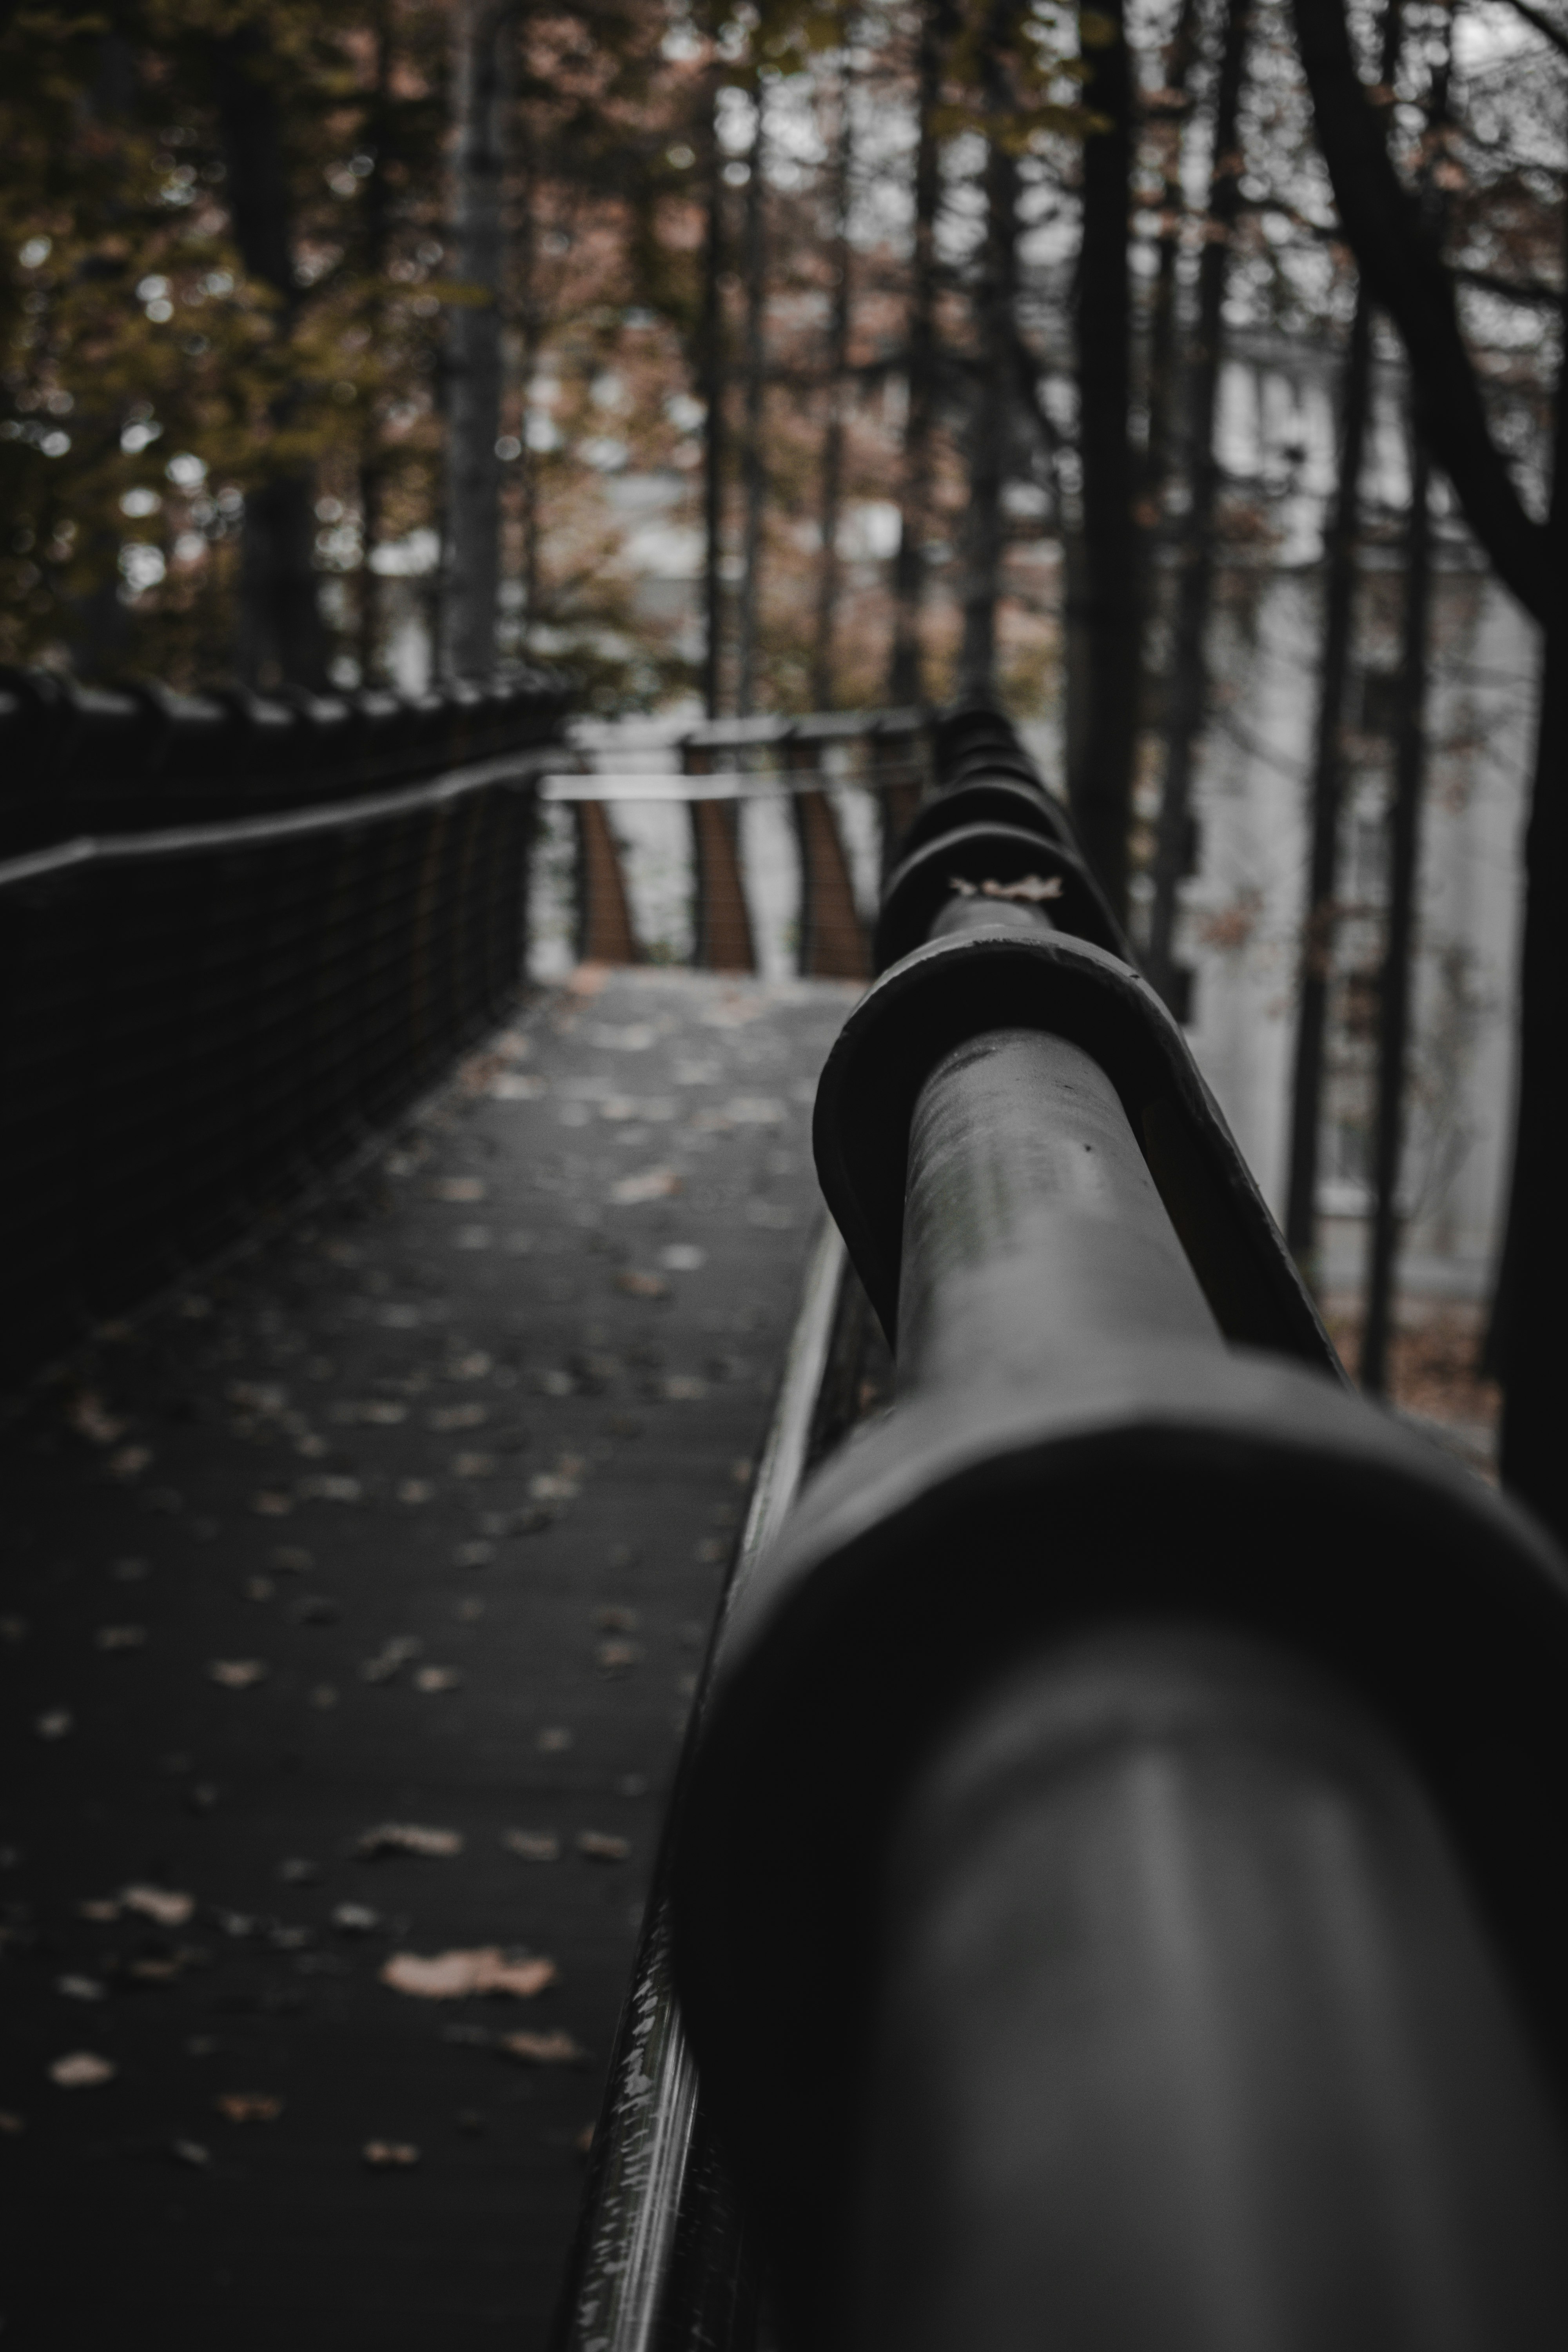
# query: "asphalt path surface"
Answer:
x=353 y=1607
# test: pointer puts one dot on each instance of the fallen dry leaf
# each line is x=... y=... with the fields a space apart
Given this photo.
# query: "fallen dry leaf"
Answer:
x=236 y=1674
x=355 y=1919
x=457 y=1188
x=557 y=2049
x=11 y=2123
x=431 y=1679
x=391 y=1658
x=88 y=1416
x=269 y=1504
x=615 y=1656
x=408 y=1837
x=54 y=1723
x=532 y=1845
x=415 y=1490
x=248 y=2106
x=599 y=1845
x=164 y=1905
x=80 y=1988
x=390 y=2155
x=120 y=1637
x=641 y=1285
x=649 y=1184
x=81 y=2070
x=191 y=2152
x=453 y=1976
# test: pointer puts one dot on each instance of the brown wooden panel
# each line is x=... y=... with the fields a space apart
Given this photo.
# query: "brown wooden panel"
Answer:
x=605 y=932
x=722 y=926
x=833 y=944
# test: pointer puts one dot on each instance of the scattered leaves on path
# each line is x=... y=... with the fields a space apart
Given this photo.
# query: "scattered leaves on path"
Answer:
x=81 y=2070
x=236 y=1674
x=600 y=1845
x=649 y=1184
x=408 y=1837
x=248 y=2106
x=556 y=2049
x=454 y=1976
x=532 y=1845
x=167 y=1907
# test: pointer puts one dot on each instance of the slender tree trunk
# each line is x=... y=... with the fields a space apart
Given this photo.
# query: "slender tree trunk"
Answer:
x=991 y=407
x=753 y=457
x=711 y=372
x=823 y=666
x=906 y=673
x=473 y=358
x=1163 y=371
x=1327 y=761
x=282 y=636
x=1105 y=608
x=1189 y=667
x=1395 y=983
x=531 y=326
x=377 y=131
x=1327 y=793
x=1532 y=1313
x=1163 y=319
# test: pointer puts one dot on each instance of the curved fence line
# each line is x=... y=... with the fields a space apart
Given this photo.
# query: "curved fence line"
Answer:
x=199 y=1020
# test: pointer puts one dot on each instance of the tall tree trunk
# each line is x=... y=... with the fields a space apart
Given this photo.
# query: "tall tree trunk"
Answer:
x=532 y=327
x=906 y=669
x=753 y=456
x=823 y=693
x=1104 y=607
x=473 y=356
x=991 y=405
x=1531 y=1311
x=1189 y=667
x=1327 y=761
x=711 y=373
x=1395 y=983
x=1327 y=793
x=1162 y=322
x=377 y=126
x=282 y=636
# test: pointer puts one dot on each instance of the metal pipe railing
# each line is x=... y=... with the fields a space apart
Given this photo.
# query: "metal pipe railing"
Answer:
x=1099 y=1907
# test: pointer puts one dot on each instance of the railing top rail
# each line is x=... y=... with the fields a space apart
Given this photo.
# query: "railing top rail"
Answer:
x=511 y=768
x=812 y=727
x=720 y=784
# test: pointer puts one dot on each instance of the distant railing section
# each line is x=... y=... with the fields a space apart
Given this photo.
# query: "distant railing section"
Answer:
x=232 y=953
x=812 y=764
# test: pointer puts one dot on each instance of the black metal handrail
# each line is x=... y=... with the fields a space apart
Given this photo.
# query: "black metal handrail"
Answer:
x=218 y=984
x=78 y=758
x=1118 y=1889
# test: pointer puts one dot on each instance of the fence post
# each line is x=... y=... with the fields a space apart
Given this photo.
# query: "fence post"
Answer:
x=721 y=920
x=832 y=937
x=605 y=930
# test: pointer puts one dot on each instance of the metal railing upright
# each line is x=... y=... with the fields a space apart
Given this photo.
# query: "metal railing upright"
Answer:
x=236 y=939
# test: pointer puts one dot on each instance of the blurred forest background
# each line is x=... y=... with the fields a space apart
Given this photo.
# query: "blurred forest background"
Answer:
x=775 y=356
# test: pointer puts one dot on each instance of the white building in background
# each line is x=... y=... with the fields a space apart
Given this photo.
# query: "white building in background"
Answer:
x=1244 y=904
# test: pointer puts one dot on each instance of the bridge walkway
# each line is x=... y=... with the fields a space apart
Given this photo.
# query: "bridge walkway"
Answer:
x=356 y=1594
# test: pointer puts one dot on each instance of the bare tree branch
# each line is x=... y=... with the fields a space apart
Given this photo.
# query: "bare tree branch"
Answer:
x=1401 y=263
